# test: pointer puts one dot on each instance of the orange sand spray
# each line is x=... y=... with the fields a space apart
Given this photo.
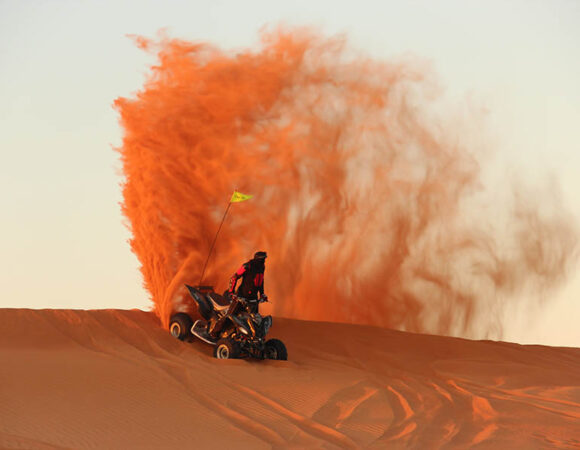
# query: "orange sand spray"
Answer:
x=361 y=193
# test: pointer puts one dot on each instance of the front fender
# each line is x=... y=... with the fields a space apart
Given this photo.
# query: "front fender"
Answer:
x=242 y=326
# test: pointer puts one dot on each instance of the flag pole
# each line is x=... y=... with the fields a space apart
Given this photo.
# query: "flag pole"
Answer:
x=213 y=243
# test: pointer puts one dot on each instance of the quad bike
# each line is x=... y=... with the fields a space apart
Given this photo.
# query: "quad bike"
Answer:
x=244 y=330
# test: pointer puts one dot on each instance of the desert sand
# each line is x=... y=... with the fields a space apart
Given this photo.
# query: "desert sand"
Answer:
x=114 y=379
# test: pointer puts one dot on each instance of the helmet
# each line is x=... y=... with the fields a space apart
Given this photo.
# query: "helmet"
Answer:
x=260 y=255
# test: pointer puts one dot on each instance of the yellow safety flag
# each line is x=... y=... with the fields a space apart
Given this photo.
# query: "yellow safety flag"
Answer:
x=239 y=197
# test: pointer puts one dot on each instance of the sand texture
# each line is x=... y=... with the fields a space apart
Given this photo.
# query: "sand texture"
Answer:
x=113 y=379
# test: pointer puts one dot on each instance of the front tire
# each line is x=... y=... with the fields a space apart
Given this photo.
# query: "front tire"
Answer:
x=275 y=349
x=180 y=326
x=226 y=349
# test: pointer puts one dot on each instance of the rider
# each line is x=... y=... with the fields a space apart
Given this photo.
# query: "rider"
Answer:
x=252 y=274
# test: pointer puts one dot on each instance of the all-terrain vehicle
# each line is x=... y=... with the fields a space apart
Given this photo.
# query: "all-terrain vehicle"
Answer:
x=244 y=330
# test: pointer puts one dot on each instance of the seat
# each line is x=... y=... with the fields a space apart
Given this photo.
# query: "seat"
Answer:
x=220 y=303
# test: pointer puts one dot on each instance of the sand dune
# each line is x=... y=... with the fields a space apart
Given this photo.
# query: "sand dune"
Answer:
x=115 y=379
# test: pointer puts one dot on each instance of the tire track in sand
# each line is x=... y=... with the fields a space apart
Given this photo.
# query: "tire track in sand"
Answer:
x=306 y=424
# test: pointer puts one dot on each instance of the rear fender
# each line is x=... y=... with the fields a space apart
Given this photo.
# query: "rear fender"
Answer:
x=203 y=305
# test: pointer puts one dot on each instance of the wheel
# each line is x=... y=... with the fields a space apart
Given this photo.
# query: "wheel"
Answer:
x=226 y=349
x=275 y=349
x=180 y=326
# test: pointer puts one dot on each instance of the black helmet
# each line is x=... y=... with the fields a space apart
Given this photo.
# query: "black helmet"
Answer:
x=260 y=255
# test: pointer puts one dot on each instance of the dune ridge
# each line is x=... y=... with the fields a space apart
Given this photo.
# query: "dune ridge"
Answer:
x=117 y=379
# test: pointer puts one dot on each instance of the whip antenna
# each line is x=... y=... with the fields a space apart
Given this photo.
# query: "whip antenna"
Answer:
x=237 y=197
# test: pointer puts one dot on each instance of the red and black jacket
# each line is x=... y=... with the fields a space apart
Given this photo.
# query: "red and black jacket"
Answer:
x=252 y=274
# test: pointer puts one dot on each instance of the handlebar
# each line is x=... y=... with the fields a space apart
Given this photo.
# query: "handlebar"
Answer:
x=251 y=300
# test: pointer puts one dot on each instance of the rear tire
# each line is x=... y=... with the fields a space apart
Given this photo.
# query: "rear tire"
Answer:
x=226 y=349
x=275 y=349
x=180 y=326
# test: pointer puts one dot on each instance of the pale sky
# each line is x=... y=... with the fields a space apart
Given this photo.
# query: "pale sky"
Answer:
x=62 y=63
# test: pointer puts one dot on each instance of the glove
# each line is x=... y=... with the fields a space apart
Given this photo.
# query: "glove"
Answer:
x=264 y=298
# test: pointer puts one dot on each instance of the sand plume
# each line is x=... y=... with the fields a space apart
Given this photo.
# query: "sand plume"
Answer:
x=364 y=190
